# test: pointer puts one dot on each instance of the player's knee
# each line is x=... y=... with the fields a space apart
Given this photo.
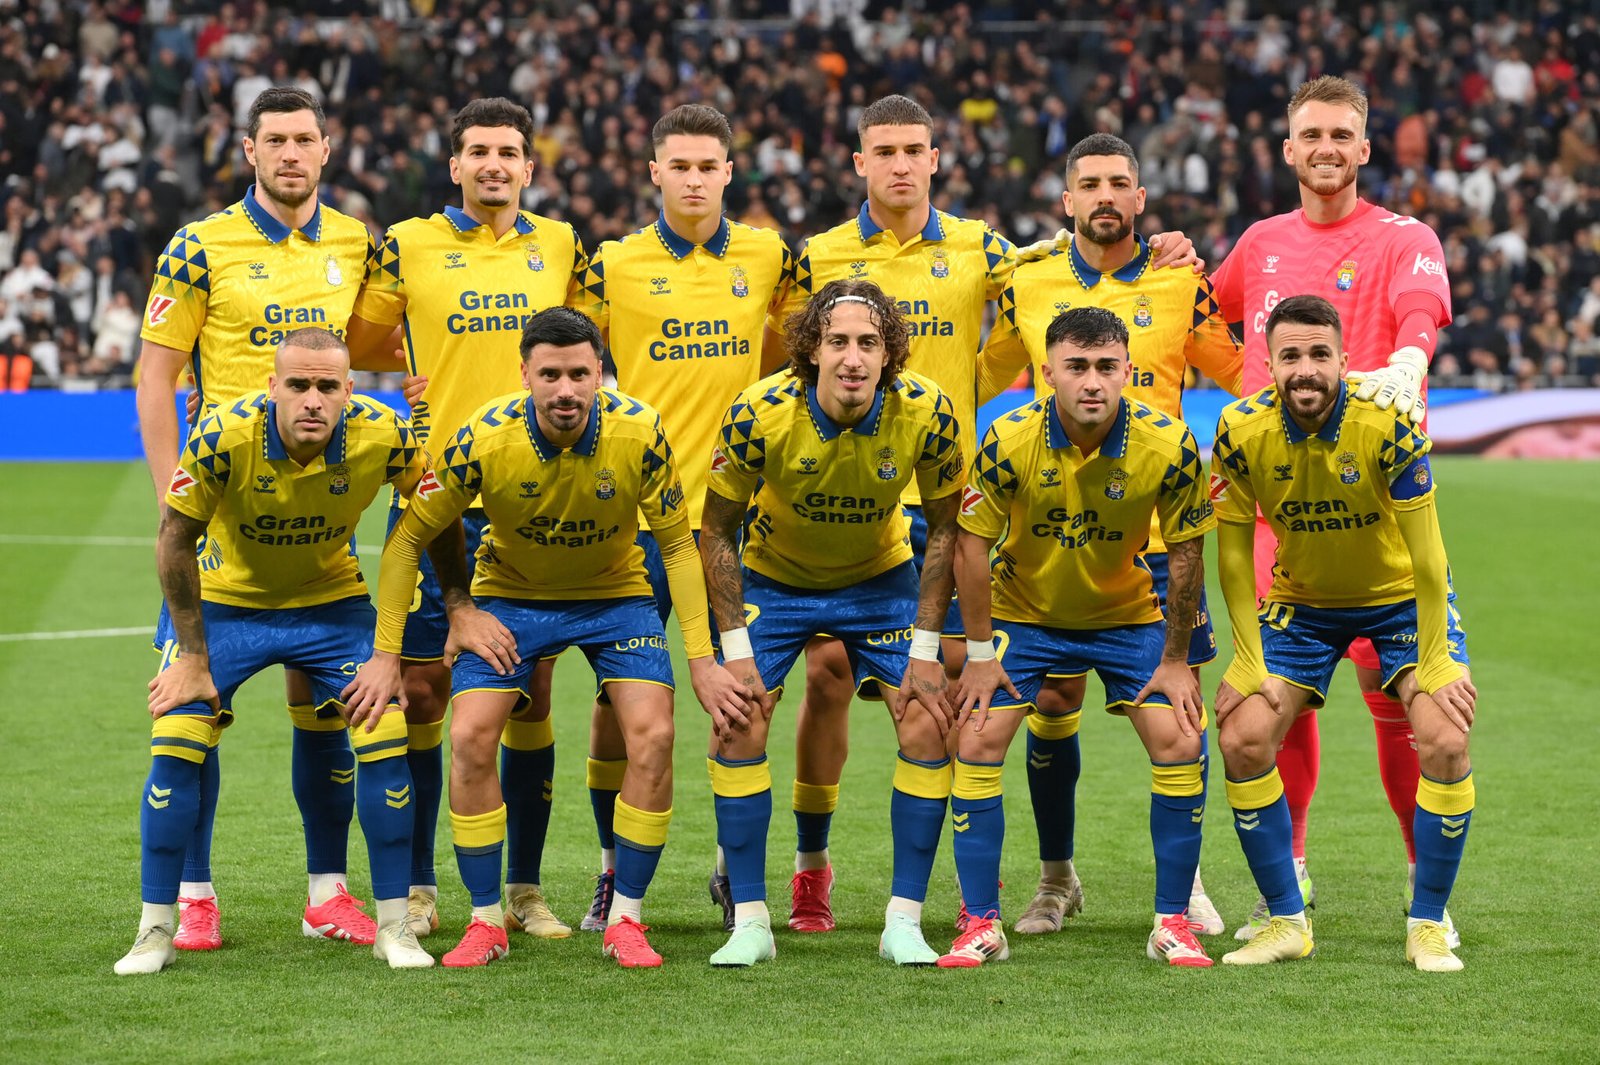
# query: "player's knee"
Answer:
x=1441 y=743
x=473 y=746
x=1244 y=750
x=1059 y=696
x=919 y=736
x=650 y=740
x=1174 y=747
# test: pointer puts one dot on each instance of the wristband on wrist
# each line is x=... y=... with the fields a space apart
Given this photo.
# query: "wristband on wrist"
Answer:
x=736 y=644
x=980 y=650
x=924 y=645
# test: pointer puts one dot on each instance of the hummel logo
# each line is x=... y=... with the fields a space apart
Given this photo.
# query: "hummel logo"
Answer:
x=1284 y=472
x=808 y=465
x=1272 y=265
x=530 y=490
x=264 y=483
x=454 y=260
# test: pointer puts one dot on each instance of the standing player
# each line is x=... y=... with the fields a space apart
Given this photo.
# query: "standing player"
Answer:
x=1069 y=485
x=276 y=483
x=1348 y=481
x=564 y=471
x=1385 y=274
x=226 y=291
x=461 y=284
x=826 y=451
x=1173 y=323
x=682 y=302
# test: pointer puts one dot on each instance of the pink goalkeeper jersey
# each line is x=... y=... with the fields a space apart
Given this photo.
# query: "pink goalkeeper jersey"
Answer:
x=1363 y=264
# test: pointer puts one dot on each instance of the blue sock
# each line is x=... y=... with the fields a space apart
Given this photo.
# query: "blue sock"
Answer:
x=742 y=824
x=479 y=841
x=811 y=831
x=168 y=809
x=384 y=797
x=916 y=817
x=1053 y=769
x=526 y=780
x=1444 y=813
x=979 y=827
x=197 y=861
x=323 y=773
x=1261 y=818
x=641 y=834
x=1177 y=808
x=427 y=790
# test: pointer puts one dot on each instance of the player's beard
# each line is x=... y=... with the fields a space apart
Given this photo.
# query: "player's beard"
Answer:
x=278 y=194
x=1329 y=184
x=565 y=419
x=1323 y=399
x=1087 y=231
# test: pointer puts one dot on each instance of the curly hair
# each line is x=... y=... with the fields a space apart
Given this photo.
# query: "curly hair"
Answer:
x=804 y=331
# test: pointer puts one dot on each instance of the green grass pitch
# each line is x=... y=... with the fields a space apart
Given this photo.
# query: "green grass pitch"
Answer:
x=76 y=732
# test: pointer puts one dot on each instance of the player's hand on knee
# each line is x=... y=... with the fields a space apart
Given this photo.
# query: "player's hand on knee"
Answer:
x=480 y=632
x=1174 y=679
x=412 y=388
x=1228 y=700
x=731 y=702
x=925 y=684
x=187 y=680
x=1174 y=249
x=1459 y=701
x=980 y=679
x=376 y=687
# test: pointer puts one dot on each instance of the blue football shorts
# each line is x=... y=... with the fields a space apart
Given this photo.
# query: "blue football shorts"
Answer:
x=1124 y=657
x=1303 y=644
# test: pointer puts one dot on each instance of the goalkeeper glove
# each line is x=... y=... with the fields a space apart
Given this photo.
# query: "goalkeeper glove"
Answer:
x=1397 y=385
x=1040 y=249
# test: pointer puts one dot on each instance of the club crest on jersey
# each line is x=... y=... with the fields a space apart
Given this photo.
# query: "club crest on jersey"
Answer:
x=941 y=264
x=1420 y=474
x=182 y=481
x=970 y=498
x=1116 y=484
x=887 y=469
x=808 y=465
x=1141 y=311
x=605 y=483
x=1050 y=477
x=338 y=480
x=335 y=278
x=1348 y=473
x=535 y=257
x=739 y=281
x=156 y=313
x=1346 y=276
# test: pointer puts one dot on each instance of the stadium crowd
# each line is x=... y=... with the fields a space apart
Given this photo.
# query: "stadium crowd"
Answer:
x=121 y=121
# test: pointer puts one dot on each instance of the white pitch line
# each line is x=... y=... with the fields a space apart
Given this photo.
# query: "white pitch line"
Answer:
x=76 y=634
x=113 y=541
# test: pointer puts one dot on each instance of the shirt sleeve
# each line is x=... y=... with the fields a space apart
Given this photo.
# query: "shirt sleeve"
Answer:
x=740 y=454
x=1004 y=355
x=797 y=293
x=1419 y=265
x=1000 y=258
x=580 y=271
x=1403 y=457
x=180 y=292
x=986 y=500
x=408 y=461
x=940 y=466
x=1184 y=502
x=202 y=472
x=1211 y=347
x=382 y=300
x=1227 y=283
x=1231 y=493
x=590 y=297
x=661 y=500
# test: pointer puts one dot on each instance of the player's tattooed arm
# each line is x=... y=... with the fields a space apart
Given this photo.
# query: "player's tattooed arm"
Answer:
x=186 y=677
x=719 y=554
x=938 y=561
x=1173 y=677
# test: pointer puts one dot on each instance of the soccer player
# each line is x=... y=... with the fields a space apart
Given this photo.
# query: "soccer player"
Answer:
x=682 y=302
x=1385 y=274
x=1340 y=480
x=564 y=470
x=942 y=270
x=1173 y=323
x=461 y=284
x=227 y=290
x=827 y=450
x=276 y=483
x=1068 y=486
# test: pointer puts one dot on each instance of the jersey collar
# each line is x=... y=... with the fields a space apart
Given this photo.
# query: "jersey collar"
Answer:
x=828 y=429
x=587 y=444
x=1089 y=277
x=272 y=443
x=1114 y=446
x=933 y=230
x=680 y=247
x=462 y=222
x=1329 y=433
x=273 y=230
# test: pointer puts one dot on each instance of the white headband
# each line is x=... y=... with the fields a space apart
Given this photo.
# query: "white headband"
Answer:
x=847 y=299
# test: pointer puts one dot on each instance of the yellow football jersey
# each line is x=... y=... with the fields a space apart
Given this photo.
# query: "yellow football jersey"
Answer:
x=1071 y=526
x=562 y=521
x=942 y=279
x=463 y=298
x=278 y=533
x=1172 y=317
x=828 y=508
x=1330 y=497
x=684 y=323
x=231 y=286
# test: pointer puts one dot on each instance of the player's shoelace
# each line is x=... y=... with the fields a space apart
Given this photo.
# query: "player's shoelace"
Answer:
x=1181 y=937
x=604 y=886
x=1430 y=938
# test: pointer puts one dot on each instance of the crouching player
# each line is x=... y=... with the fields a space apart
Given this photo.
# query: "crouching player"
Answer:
x=1340 y=481
x=1068 y=486
x=564 y=470
x=276 y=483
x=833 y=445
